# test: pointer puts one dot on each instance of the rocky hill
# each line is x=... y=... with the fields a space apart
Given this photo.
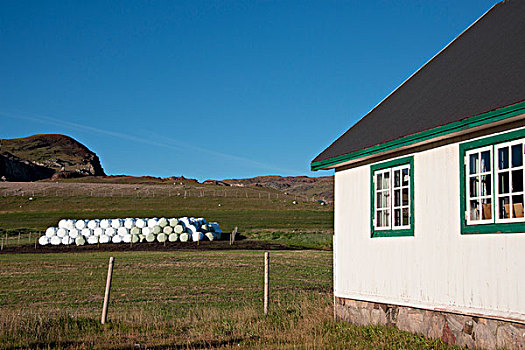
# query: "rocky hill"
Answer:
x=44 y=156
x=318 y=187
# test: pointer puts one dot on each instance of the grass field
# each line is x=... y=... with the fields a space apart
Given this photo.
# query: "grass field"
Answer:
x=179 y=300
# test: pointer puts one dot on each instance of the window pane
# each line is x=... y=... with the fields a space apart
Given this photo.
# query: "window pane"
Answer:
x=486 y=209
x=485 y=161
x=486 y=185
x=405 y=217
x=397 y=217
x=386 y=180
x=503 y=182
x=503 y=157
x=474 y=210
x=504 y=208
x=379 y=218
x=473 y=163
x=397 y=178
x=379 y=181
x=517 y=181
x=397 y=198
x=517 y=204
x=517 y=155
x=406 y=176
x=405 y=196
x=474 y=186
x=386 y=217
x=379 y=203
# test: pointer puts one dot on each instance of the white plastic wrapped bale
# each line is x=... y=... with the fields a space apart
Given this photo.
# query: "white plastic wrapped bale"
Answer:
x=116 y=223
x=146 y=231
x=210 y=236
x=93 y=224
x=173 y=222
x=161 y=237
x=80 y=240
x=197 y=236
x=66 y=240
x=129 y=223
x=135 y=231
x=87 y=232
x=68 y=224
x=191 y=229
x=141 y=223
x=122 y=231
x=126 y=238
x=110 y=232
x=51 y=231
x=135 y=238
x=73 y=233
x=104 y=223
x=167 y=230
x=179 y=229
x=150 y=238
x=61 y=232
x=92 y=239
x=184 y=237
x=116 y=239
x=80 y=224
x=163 y=222
x=152 y=222
x=99 y=231
x=55 y=240
x=44 y=240
x=173 y=237
x=156 y=229
x=104 y=239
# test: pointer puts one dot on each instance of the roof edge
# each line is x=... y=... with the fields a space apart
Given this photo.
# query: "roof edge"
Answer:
x=443 y=130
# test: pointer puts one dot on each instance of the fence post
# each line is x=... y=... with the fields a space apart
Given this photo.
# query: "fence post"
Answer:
x=29 y=237
x=18 y=237
x=106 y=294
x=2 y=244
x=266 y=280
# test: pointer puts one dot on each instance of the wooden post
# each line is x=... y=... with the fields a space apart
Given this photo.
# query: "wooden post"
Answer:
x=36 y=239
x=106 y=294
x=5 y=238
x=2 y=245
x=29 y=237
x=18 y=237
x=266 y=280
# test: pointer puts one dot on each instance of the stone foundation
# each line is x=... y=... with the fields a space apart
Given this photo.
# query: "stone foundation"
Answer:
x=452 y=329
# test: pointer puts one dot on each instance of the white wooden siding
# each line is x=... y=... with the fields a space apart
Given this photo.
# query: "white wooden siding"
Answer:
x=437 y=268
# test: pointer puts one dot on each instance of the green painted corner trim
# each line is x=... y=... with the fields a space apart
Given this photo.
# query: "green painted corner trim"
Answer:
x=392 y=232
x=515 y=227
x=467 y=123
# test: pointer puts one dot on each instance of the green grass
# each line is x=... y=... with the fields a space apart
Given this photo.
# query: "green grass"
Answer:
x=180 y=300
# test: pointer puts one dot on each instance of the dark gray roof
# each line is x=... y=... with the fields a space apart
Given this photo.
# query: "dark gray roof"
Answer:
x=481 y=70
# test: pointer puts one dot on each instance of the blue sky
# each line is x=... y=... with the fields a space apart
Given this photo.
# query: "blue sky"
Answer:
x=211 y=89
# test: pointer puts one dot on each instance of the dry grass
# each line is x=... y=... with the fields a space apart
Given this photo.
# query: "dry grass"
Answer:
x=179 y=300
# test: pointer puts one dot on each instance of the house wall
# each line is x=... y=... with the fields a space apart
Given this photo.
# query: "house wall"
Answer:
x=436 y=269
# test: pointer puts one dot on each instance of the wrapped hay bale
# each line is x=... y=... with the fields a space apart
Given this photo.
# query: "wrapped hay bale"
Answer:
x=122 y=231
x=210 y=236
x=73 y=233
x=184 y=237
x=173 y=222
x=163 y=222
x=92 y=239
x=93 y=224
x=129 y=223
x=197 y=236
x=135 y=231
x=173 y=237
x=156 y=229
x=146 y=231
x=99 y=231
x=55 y=240
x=61 y=232
x=80 y=224
x=110 y=232
x=116 y=223
x=104 y=223
x=44 y=240
x=116 y=239
x=152 y=222
x=135 y=238
x=141 y=223
x=66 y=240
x=150 y=238
x=80 y=240
x=126 y=238
x=179 y=229
x=51 y=231
x=104 y=239
x=167 y=230
x=161 y=237
x=86 y=232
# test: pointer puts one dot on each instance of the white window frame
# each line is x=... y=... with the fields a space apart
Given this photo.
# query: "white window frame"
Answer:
x=479 y=174
x=391 y=189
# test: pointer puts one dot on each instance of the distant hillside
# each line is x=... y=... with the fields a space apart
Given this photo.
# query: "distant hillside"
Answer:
x=318 y=187
x=48 y=155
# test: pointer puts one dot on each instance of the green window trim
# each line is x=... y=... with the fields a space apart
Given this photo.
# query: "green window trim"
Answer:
x=392 y=232
x=515 y=227
x=467 y=123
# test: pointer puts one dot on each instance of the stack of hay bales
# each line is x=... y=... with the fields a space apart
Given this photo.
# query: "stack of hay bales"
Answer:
x=131 y=230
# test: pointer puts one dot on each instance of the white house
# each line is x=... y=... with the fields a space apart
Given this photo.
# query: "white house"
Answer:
x=429 y=195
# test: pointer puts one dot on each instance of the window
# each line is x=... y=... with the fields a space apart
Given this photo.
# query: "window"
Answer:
x=492 y=178
x=392 y=198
